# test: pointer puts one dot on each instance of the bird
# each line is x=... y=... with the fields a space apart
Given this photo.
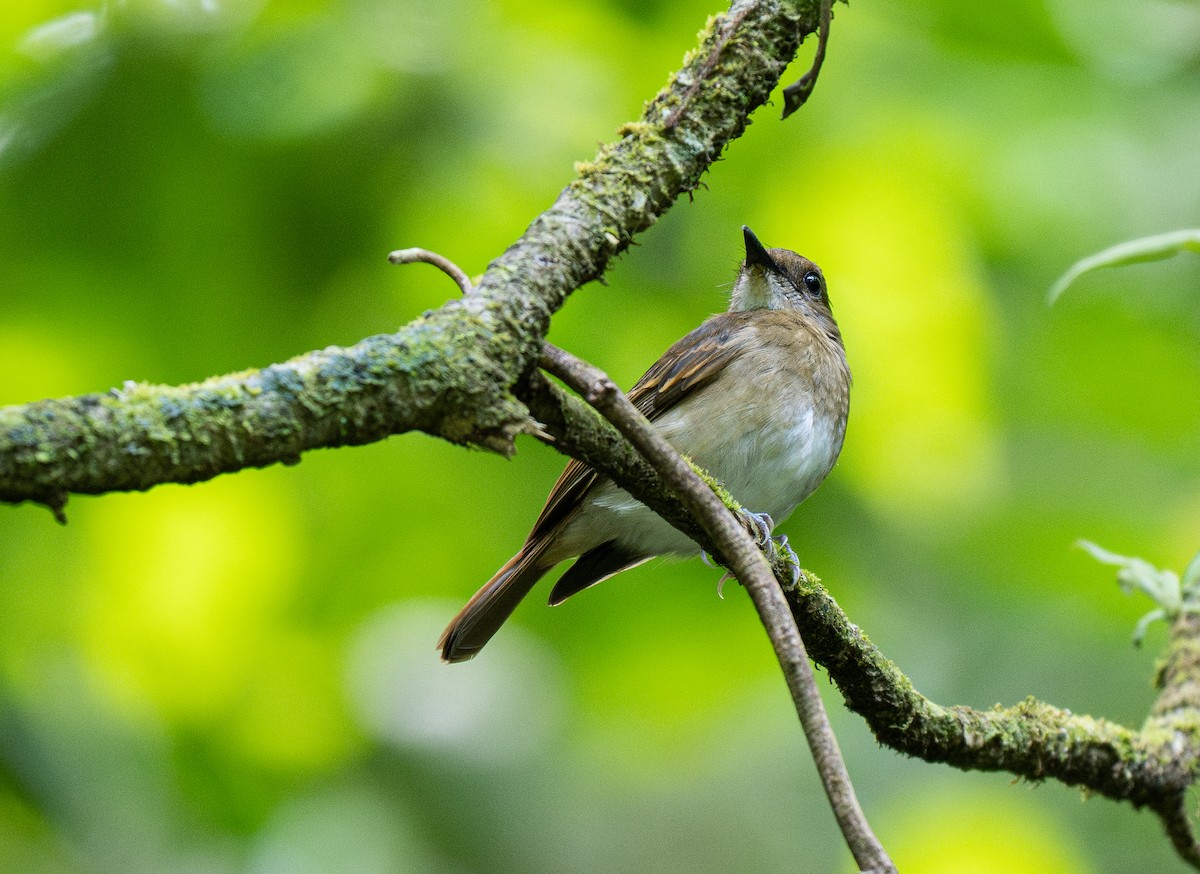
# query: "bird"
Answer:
x=758 y=396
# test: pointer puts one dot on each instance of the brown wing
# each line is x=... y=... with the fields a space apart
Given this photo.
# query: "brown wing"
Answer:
x=690 y=363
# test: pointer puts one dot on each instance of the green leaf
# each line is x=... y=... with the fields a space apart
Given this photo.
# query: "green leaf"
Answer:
x=1191 y=574
x=1138 y=575
x=1139 y=630
x=1154 y=248
x=1103 y=555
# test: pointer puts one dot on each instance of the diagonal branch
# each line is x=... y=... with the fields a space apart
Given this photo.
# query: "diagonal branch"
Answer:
x=740 y=553
x=450 y=372
x=1031 y=739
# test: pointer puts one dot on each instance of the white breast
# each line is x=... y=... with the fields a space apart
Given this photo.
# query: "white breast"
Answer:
x=771 y=452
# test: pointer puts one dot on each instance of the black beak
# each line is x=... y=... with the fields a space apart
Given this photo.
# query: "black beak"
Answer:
x=756 y=254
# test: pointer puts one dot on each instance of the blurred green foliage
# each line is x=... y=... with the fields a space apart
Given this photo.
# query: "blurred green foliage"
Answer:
x=1138 y=251
x=240 y=675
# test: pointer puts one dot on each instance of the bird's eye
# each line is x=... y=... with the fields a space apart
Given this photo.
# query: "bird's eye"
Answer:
x=812 y=281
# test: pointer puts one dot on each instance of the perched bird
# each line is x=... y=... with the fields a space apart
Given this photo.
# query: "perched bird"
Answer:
x=757 y=396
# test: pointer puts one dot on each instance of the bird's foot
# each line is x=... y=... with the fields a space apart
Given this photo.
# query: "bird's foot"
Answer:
x=783 y=560
x=759 y=525
x=781 y=556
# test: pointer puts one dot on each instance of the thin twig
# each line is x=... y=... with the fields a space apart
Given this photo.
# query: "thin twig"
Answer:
x=797 y=94
x=441 y=262
x=750 y=567
x=1179 y=829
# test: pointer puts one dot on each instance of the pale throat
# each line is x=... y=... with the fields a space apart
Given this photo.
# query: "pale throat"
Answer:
x=759 y=289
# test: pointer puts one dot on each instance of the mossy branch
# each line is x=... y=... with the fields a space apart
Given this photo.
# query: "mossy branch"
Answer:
x=431 y=376
x=449 y=373
x=1031 y=739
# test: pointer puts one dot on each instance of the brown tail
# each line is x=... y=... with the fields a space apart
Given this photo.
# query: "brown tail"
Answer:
x=490 y=606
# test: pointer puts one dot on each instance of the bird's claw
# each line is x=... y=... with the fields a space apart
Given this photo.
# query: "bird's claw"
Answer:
x=728 y=575
x=779 y=554
x=783 y=558
x=760 y=525
x=721 y=584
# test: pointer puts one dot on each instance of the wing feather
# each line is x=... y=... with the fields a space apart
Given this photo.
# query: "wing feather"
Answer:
x=689 y=364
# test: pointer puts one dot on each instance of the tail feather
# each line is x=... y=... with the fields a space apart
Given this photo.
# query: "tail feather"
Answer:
x=491 y=605
x=594 y=566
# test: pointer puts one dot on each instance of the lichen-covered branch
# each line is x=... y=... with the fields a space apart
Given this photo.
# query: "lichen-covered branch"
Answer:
x=1175 y=722
x=431 y=376
x=1030 y=739
x=449 y=373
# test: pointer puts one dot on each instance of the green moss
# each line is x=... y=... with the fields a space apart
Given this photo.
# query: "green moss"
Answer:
x=430 y=376
x=716 y=485
x=635 y=129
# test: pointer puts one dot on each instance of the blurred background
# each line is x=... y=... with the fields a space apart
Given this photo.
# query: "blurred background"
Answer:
x=240 y=676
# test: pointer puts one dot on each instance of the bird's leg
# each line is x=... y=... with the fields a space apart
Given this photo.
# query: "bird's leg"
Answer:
x=783 y=558
x=759 y=525
x=780 y=555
